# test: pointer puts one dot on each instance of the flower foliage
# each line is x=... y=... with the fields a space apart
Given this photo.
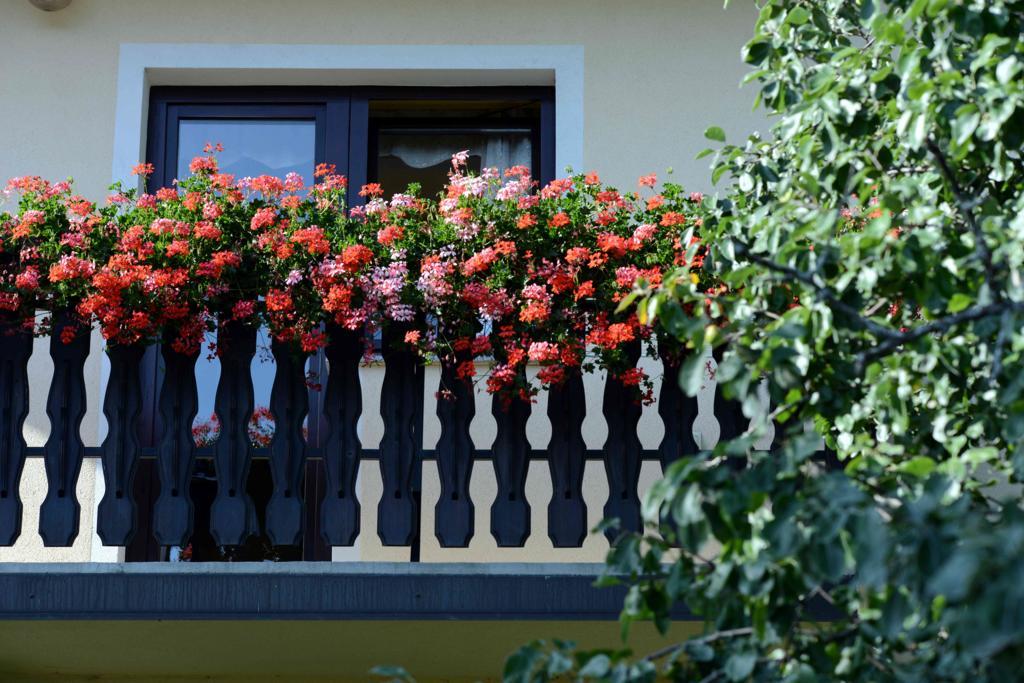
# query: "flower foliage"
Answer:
x=495 y=268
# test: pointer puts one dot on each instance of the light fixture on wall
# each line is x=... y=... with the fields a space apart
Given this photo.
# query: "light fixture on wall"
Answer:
x=50 y=5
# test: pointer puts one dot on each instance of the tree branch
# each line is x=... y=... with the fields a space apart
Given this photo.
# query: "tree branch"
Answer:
x=893 y=339
x=824 y=291
x=706 y=640
x=997 y=353
x=941 y=325
x=966 y=208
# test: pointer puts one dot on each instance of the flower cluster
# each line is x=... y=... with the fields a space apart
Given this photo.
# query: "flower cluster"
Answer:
x=48 y=251
x=526 y=274
x=498 y=268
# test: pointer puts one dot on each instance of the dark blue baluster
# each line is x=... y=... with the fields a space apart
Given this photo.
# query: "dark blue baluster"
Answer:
x=456 y=406
x=343 y=404
x=623 y=450
x=567 y=452
x=115 y=518
x=232 y=515
x=289 y=402
x=729 y=413
x=15 y=350
x=677 y=410
x=397 y=518
x=176 y=451
x=510 y=455
x=64 y=450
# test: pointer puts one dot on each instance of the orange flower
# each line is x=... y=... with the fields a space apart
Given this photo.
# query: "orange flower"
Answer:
x=527 y=220
x=324 y=170
x=278 y=300
x=559 y=220
x=313 y=239
x=144 y=170
x=466 y=370
x=613 y=245
x=672 y=218
x=390 y=234
x=505 y=247
x=355 y=257
x=584 y=290
x=177 y=248
x=67 y=335
x=577 y=255
x=535 y=311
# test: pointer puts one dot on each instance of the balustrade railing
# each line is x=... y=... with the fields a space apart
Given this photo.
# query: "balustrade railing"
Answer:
x=400 y=454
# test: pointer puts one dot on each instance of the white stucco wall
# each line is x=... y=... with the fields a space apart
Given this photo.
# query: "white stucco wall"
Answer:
x=655 y=74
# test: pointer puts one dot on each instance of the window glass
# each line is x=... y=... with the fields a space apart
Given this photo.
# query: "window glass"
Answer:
x=424 y=156
x=252 y=147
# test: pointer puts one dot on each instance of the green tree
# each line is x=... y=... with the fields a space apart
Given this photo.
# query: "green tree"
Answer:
x=873 y=250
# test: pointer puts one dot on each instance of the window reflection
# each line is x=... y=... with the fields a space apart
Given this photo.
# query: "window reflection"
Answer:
x=251 y=147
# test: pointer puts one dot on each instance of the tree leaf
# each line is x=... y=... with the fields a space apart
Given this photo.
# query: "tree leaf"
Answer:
x=740 y=665
x=692 y=373
x=715 y=133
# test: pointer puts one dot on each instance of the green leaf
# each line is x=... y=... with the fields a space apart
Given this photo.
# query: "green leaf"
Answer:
x=976 y=456
x=717 y=174
x=959 y=302
x=798 y=16
x=596 y=667
x=715 y=133
x=740 y=665
x=519 y=667
x=1007 y=69
x=692 y=373
x=918 y=466
x=699 y=651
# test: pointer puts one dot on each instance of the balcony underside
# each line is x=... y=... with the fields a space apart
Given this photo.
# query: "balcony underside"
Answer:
x=258 y=651
x=296 y=621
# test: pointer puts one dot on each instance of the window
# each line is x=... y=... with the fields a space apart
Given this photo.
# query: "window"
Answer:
x=395 y=136
x=412 y=141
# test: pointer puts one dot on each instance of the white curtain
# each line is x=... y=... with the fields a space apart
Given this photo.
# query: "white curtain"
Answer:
x=501 y=150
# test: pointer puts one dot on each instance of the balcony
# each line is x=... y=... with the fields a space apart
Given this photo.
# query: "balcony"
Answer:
x=436 y=501
x=487 y=521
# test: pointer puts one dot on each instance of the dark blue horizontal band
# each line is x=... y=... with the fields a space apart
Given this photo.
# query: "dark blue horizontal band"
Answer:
x=307 y=590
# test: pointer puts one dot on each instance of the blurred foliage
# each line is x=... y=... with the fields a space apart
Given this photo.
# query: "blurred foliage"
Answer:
x=872 y=246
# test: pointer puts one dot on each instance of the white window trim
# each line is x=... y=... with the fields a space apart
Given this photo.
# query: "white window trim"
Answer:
x=142 y=65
